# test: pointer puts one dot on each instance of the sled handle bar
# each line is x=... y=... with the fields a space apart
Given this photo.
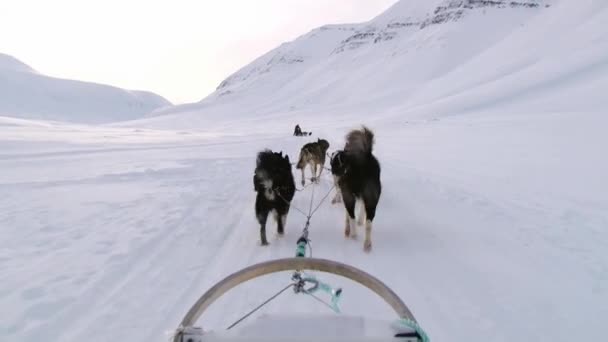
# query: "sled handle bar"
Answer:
x=297 y=263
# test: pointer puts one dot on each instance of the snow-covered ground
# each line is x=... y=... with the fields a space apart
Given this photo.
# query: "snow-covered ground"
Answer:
x=491 y=225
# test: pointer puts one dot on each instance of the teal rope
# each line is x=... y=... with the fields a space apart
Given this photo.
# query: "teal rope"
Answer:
x=335 y=296
x=413 y=325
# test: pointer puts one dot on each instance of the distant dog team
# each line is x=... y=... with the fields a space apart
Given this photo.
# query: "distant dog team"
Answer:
x=297 y=131
x=356 y=174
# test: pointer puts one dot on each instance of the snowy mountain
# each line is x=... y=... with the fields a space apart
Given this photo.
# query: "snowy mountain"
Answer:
x=490 y=127
x=424 y=58
x=25 y=93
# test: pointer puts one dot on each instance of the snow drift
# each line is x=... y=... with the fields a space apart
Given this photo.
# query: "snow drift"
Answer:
x=25 y=93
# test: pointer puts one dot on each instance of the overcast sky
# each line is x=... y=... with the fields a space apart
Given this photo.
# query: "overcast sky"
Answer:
x=180 y=49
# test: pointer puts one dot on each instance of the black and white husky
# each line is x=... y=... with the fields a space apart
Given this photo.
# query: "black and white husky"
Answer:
x=356 y=172
x=273 y=181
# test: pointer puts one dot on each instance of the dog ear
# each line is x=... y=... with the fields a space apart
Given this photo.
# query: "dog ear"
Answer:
x=287 y=158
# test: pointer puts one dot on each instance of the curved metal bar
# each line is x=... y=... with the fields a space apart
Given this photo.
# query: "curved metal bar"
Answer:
x=300 y=264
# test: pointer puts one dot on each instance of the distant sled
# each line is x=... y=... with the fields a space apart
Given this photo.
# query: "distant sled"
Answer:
x=297 y=131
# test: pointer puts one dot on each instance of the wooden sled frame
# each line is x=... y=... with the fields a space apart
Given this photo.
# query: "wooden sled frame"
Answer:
x=293 y=264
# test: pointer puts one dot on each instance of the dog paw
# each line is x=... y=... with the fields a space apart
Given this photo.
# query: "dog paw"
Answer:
x=264 y=243
x=347 y=232
x=303 y=183
x=367 y=246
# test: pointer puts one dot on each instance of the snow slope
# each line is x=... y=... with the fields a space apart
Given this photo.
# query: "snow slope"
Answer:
x=25 y=93
x=491 y=226
x=421 y=58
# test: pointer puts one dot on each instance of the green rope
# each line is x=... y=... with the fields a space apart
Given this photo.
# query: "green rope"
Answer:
x=413 y=325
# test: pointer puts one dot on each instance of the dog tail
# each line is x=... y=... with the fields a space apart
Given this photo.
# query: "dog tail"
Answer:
x=359 y=142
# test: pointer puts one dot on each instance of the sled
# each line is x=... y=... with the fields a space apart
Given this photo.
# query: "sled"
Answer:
x=300 y=328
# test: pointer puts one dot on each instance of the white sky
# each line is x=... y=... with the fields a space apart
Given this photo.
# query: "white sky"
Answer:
x=180 y=49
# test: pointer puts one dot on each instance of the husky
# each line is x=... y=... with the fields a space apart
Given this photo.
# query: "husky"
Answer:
x=275 y=186
x=313 y=154
x=357 y=174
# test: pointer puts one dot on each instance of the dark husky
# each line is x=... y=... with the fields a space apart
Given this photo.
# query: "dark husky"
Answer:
x=357 y=174
x=275 y=187
x=313 y=154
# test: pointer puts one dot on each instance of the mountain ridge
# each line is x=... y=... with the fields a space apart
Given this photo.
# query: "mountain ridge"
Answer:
x=28 y=94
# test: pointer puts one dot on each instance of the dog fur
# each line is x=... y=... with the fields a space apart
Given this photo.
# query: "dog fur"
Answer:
x=275 y=186
x=357 y=174
x=313 y=154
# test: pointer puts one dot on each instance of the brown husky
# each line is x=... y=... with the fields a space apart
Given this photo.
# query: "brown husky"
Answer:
x=313 y=154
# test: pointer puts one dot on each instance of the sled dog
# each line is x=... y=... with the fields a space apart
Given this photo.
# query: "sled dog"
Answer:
x=273 y=181
x=313 y=154
x=357 y=174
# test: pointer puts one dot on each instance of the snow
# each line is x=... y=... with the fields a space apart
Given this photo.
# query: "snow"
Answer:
x=490 y=130
x=27 y=94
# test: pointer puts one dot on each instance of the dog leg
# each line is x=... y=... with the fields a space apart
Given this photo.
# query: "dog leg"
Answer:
x=281 y=224
x=277 y=219
x=367 y=244
x=320 y=172
x=262 y=218
x=371 y=201
x=261 y=212
x=352 y=227
x=303 y=180
x=338 y=197
x=313 y=170
x=346 y=224
x=361 y=218
x=349 y=204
